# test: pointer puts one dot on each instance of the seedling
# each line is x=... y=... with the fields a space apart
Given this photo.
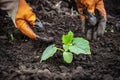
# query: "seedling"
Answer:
x=112 y=30
x=105 y=31
x=70 y=46
x=11 y=37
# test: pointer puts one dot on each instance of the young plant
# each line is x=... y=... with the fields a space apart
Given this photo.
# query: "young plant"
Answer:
x=12 y=38
x=71 y=45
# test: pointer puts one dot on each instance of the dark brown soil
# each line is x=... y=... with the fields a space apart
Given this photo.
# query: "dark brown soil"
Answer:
x=20 y=59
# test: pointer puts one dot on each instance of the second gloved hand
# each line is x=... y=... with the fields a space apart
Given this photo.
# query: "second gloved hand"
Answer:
x=94 y=31
x=93 y=17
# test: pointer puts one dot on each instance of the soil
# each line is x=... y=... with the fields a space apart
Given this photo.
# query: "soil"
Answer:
x=20 y=58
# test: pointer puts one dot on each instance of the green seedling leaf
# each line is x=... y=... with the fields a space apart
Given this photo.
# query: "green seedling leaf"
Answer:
x=76 y=49
x=67 y=39
x=112 y=30
x=66 y=47
x=12 y=37
x=105 y=31
x=68 y=57
x=80 y=46
x=49 y=52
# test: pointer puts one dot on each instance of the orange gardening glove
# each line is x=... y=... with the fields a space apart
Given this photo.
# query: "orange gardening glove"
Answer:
x=93 y=17
x=23 y=17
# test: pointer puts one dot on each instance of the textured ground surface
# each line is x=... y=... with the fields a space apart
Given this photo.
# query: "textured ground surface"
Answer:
x=20 y=59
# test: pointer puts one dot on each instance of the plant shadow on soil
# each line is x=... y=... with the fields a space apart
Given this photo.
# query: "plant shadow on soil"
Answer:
x=20 y=59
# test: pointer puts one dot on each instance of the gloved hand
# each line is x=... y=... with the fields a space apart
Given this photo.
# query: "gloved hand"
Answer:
x=23 y=17
x=91 y=19
x=92 y=24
